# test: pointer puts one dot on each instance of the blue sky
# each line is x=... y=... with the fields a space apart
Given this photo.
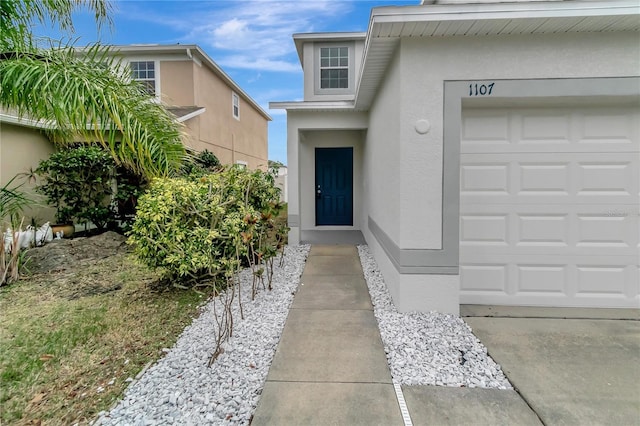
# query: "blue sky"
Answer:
x=251 y=40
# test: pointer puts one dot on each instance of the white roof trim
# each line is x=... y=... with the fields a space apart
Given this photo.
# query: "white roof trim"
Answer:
x=301 y=38
x=26 y=122
x=313 y=106
x=529 y=9
x=191 y=115
x=388 y=25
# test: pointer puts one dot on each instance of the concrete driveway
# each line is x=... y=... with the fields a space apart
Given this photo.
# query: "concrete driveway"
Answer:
x=571 y=366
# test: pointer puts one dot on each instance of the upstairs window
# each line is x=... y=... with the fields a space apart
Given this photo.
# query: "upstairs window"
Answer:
x=145 y=72
x=334 y=68
x=235 y=106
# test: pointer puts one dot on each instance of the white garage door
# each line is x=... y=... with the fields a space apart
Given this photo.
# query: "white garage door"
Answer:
x=549 y=206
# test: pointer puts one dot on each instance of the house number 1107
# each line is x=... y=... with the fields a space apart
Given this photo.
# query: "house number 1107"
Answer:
x=476 y=89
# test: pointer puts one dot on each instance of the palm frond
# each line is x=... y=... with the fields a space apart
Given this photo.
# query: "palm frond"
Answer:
x=18 y=16
x=91 y=96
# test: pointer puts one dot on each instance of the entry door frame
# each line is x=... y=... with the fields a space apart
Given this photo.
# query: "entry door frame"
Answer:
x=341 y=160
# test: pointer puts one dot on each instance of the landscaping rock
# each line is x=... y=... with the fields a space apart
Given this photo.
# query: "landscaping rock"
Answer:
x=229 y=390
x=425 y=348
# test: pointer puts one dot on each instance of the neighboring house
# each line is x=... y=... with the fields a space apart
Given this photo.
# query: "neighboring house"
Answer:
x=219 y=116
x=489 y=153
x=22 y=147
x=281 y=178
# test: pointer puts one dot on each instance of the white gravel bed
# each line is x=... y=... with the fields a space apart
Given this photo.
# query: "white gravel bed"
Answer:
x=181 y=389
x=428 y=348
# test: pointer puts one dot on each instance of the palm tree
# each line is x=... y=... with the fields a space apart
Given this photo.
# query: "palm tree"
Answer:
x=86 y=96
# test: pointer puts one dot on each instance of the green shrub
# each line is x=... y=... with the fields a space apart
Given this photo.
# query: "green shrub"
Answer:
x=78 y=183
x=202 y=228
x=130 y=186
x=200 y=164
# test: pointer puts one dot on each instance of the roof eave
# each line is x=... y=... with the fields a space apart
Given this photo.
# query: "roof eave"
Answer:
x=313 y=106
x=300 y=39
x=26 y=122
x=383 y=19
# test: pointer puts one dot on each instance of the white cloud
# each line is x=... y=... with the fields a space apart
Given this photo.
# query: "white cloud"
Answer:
x=257 y=63
x=246 y=34
x=257 y=34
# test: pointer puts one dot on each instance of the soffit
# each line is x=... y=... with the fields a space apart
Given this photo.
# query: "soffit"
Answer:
x=389 y=24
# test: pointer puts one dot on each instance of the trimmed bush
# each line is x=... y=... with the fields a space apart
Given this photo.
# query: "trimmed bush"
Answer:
x=201 y=228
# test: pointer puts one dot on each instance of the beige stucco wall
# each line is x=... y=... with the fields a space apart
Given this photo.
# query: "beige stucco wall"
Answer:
x=232 y=140
x=192 y=83
x=22 y=149
x=176 y=82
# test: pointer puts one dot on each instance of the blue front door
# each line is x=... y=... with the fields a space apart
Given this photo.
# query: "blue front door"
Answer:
x=334 y=186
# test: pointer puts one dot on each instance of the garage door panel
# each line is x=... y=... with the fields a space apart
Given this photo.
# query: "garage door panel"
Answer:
x=551 y=217
x=594 y=301
x=617 y=126
x=556 y=175
x=484 y=277
x=565 y=283
x=484 y=229
x=606 y=231
x=544 y=178
x=608 y=178
x=584 y=230
x=547 y=128
x=489 y=178
x=550 y=130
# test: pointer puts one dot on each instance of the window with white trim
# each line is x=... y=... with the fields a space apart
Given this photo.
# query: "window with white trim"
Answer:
x=241 y=164
x=235 y=105
x=145 y=72
x=334 y=67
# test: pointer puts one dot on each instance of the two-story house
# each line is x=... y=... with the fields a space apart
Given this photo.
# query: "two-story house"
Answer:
x=488 y=152
x=219 y=116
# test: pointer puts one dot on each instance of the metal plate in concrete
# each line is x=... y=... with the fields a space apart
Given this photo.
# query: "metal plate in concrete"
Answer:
x=569 y=371
x=325 y=346
x=337 y=292
x=332 y=265
x=431 y=405
x=322 y=404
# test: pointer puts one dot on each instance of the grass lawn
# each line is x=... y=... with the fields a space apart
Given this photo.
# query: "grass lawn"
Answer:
x=70 y=339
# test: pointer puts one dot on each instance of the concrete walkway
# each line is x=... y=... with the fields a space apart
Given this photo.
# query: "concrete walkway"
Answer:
x=330 y=367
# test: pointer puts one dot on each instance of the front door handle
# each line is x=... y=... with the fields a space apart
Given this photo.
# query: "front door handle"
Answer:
x=318 y=192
